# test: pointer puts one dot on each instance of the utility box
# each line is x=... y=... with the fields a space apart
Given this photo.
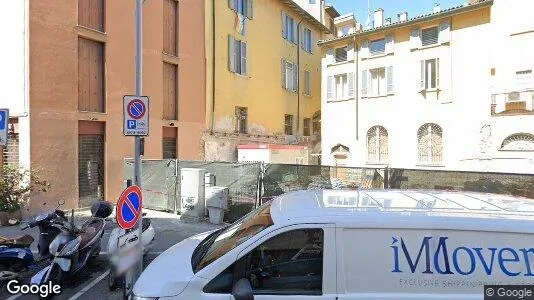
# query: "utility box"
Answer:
x=192 y=197
x=217 y=202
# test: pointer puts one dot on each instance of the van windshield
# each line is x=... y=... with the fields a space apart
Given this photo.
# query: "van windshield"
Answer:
x=220 y=242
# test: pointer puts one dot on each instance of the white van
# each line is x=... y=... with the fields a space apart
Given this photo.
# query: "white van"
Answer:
x=367 y=244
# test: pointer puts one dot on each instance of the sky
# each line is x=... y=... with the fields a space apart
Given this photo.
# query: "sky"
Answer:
x=391 y=7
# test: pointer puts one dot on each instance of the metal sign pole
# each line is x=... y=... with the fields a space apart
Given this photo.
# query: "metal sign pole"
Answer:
x=133 y=274
x=138 y=92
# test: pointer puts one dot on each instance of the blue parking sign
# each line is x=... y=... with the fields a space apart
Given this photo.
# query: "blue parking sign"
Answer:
x=4 y=124
x=3 y=119
x=132 y=124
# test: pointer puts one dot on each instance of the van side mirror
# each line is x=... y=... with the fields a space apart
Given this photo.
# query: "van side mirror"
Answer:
x=242 y=290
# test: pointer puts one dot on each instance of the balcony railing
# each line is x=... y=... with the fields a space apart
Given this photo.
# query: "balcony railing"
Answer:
x=513 y=102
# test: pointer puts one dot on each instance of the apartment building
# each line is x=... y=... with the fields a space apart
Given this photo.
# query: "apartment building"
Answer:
x=449 y=90
x=263 y=74
x=66 y=67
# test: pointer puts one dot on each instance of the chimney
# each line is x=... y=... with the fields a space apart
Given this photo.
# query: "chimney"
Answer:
x=436 y=9
x=378 y=18
x=387 y=21
x=403 y=17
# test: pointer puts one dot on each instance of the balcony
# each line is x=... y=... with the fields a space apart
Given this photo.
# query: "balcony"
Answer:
x=519 y=102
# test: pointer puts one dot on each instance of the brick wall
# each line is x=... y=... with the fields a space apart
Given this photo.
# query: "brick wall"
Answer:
x=11 y=151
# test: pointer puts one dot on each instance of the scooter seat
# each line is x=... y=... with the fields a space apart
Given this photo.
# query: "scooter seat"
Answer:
x=21 y=241
x=90 y=231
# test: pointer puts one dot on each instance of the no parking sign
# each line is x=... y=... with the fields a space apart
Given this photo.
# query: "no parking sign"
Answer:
x=129 y=207
x=136 y=115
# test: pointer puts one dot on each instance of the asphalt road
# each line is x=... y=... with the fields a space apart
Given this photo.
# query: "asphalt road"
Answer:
x=91 y=283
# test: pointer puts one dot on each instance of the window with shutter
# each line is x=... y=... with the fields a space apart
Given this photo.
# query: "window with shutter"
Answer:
x=290 y=28
x=249 y=9
x=283 y=69
x=364 y=51
x=288 y=124
x=237 y=56
x=306 y=127
x=390 y=43
x=289 y=76
x=429 y=36
x=231 y=53
x=444 y=32
x=306 y=42
x=377 y=47
x=295 y=77
x=429 y=74
x=390 y=79
x=91 y=14
x=341 y=54
x=365 y=82
x=350 y=79
x=378 y=82
x=341 y=88
x=415 y=41
x=329 y=87
x=284 y=25
x=307 y=82
x=243 y=58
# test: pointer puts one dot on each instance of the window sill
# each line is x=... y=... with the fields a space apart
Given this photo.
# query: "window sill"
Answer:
x=434 y=90
x=371 y=56
x=378 y=96
x=504 y=150
x=430 y=165
x=377 y=163
x=90 y=33
x=340 y=63
x=430 y=46
x=239 y=75
x=339 y=100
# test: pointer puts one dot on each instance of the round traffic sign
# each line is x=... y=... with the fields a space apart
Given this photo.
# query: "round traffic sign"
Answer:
x=129 y=207
x=136 y=109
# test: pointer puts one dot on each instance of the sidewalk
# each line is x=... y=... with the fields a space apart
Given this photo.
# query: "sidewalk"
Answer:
x=169 y=228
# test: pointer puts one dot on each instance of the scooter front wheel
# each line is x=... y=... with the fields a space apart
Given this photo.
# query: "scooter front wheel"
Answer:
x=113 y=281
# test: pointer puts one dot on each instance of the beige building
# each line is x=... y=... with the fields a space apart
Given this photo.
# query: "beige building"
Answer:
x=66 y=68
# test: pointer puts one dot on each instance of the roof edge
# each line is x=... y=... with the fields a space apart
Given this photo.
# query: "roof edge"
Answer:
x=293 y=5
x=413 y=21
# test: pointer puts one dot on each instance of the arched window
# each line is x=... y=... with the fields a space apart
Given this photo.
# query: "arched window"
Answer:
x=430 y=144
x=518 y=142
x=377 y=145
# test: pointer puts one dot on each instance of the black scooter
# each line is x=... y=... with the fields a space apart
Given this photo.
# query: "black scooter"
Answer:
x=75 y=246
x=15 y=253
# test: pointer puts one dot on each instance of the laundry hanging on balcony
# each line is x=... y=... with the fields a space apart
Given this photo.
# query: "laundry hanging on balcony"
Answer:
x=240 y=23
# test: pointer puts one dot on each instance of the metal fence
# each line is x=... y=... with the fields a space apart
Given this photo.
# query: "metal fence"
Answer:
x=253 y=183
x=161 y=183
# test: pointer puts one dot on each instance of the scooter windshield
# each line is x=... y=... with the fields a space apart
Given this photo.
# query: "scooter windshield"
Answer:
x=232 y=236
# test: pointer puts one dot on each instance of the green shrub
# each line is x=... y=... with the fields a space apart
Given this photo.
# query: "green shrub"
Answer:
x=16 y=184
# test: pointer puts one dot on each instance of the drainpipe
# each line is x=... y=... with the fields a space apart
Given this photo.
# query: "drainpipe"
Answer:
x=357 y=86
x=298 y=75
x=212 y=66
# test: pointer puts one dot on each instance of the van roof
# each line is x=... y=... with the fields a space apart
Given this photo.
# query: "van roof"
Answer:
x=430 y=209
